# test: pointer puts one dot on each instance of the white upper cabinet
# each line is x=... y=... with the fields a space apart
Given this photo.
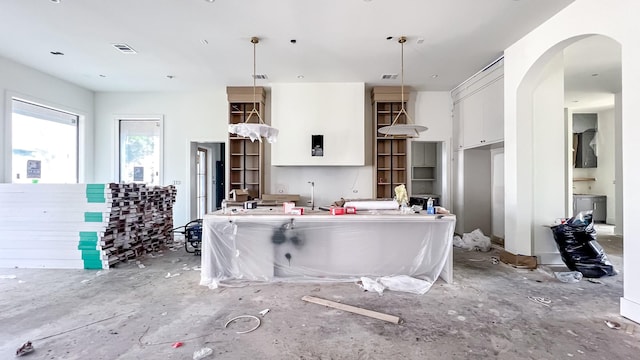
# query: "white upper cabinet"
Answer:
x=332 y=113
x=478 y=113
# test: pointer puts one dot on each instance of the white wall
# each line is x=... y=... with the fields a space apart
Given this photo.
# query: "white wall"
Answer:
x=548 y=159
x=29 y=84
x=188 y=116
x=616 y=20
x=619 y=164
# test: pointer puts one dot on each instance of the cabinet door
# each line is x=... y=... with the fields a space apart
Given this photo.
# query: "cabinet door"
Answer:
x=471 y=113
x=582 y=203
x=600 y=209
x=493 y=112
x=458 y=134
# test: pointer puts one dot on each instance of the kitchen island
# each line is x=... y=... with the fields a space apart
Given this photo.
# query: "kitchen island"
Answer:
x=268 y=245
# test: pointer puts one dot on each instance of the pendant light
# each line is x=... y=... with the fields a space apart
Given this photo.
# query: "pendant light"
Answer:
x=409 y=129
x=254 y=131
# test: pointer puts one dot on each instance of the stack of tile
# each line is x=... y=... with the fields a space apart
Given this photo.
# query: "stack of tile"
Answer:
x=90 y=226
x=140 y=221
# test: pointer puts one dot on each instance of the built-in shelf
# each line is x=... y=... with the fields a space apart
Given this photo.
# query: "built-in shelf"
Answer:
x=584 y=179
x=245 y=156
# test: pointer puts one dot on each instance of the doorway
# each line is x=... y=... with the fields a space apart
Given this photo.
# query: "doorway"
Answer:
x=206 y=168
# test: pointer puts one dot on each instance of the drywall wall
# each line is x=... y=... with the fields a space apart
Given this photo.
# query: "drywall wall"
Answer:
x=188 y=116
x=335 y=111
x=548 y=159
x=523 y=63
x=32 y=85
x=619 y=219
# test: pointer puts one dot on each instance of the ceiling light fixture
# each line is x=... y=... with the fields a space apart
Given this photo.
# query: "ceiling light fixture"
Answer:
x=254 y=131
x=408 y=128
x=56 y=53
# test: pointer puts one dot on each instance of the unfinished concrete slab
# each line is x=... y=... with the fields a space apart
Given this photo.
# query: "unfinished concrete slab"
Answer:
x=489 y=311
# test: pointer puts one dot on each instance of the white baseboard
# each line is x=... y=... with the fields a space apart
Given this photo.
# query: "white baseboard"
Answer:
x=630 y=309
x=549 y=259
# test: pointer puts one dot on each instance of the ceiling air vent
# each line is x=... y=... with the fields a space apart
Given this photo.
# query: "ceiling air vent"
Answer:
x=124 y=48
x=389 y=76
x=260 y=76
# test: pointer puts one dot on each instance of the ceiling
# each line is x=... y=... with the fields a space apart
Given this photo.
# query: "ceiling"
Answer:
x=193 y=45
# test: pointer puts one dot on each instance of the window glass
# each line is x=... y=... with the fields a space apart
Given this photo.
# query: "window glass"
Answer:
x=44 y=144
x=140 y=151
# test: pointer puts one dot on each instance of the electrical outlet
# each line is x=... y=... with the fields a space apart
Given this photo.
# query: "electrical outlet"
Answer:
x=281 y=189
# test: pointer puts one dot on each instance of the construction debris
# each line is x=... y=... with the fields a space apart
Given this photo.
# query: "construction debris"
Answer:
x=202 y=353
x=244 y=317
x=353 y=309
x=24 y=349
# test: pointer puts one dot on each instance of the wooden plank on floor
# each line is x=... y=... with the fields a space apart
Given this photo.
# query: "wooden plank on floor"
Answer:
x=352 y=309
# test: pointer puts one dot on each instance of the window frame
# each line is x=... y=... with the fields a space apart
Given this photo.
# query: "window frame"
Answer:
x=81 y=137
x=116 y=143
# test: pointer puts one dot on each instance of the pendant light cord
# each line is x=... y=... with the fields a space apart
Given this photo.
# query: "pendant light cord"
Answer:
x=254 y=41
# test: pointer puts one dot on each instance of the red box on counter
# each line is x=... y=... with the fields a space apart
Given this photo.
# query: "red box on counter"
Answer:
x=350 y=209
x=297 y=211
x=337 y=211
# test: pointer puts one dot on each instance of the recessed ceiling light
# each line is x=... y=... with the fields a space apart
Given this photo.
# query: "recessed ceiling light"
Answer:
x=595 y=74
x=204 y=42
x=55 y=1
x=300 y=76
x=420 y=41
x=293 y=41
x=389 y=37
x=209 y=0
x=103 y=75
x=575 y=101
x=56 y=53
x=434 y=76
x=170 y=76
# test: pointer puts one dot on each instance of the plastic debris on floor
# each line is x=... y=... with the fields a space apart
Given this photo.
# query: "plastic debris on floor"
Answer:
x=474 y=240
x=401 y=283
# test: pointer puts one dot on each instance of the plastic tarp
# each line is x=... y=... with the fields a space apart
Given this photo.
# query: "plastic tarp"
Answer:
x=313 y=248
x=255 y=131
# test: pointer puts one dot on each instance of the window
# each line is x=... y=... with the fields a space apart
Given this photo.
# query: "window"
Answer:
x=140 y=150
x=44 y=144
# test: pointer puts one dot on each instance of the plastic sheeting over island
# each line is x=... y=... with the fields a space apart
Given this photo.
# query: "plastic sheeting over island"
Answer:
x=267 y=246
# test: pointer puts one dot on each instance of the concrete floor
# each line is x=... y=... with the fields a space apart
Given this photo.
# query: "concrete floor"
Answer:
x=485 y=313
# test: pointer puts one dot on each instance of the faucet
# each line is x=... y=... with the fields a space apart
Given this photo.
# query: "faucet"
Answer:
x=312 y=201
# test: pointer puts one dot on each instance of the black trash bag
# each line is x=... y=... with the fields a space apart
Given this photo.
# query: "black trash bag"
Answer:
x=576 y=241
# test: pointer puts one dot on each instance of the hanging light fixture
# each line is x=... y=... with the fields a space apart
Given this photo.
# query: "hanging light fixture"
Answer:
x=254 y=131
x=409 y=128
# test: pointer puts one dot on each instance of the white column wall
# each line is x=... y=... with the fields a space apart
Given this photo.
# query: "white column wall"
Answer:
x=188 y=116
x=548 y=159
x=618 y=170
x=617 y=20
x=33 y=85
